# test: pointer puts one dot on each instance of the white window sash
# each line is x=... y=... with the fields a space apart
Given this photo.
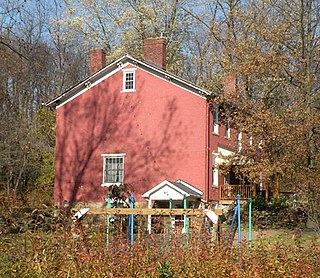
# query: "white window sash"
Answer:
x=113 y=169
x=125 y=80
x=250 y=140
x=216 y=120
x=239 y=141
x=228 y=130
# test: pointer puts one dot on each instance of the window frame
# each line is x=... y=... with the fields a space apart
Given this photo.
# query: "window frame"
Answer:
x=124 y=80
x=104 y=175
x=250 y=139
x=239 y=141
x=215 y=173
x=215 y=120
x=227 y=178
x=227 y=133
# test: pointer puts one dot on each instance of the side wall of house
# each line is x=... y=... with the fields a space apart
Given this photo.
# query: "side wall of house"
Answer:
x=217 y=141
x=160 y=128
x=221 y=141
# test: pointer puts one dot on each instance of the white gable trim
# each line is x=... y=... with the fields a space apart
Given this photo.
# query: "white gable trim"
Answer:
x=169 y=77
x=160 y=185
x=91 y=85
x=168 y=80
x=167 y=190
x=119 y=66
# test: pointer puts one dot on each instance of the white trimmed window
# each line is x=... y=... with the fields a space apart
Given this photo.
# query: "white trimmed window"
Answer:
x=250 y=140
x=227 y=132
x=215 y=174
x=113 y=169
x=129 y=80
x=227 y=178
x=239 y=141
x=216 y=120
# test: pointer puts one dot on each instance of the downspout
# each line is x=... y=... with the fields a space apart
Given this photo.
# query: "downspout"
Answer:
x=208 y=150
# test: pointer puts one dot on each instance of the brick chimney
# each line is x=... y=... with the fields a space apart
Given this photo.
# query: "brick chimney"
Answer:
x=230 y=84
x=97 y=60
x=155 y=51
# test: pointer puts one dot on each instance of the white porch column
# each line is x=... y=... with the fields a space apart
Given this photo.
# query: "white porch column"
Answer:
x=149 y=216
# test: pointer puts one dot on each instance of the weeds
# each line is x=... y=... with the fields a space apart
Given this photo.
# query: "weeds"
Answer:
x=69 y=253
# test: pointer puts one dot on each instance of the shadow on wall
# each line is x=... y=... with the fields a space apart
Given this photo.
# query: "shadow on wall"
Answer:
x=105 y=121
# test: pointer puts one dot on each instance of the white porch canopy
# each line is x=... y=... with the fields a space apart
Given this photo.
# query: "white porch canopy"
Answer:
x=174 y=191
x=167 y=190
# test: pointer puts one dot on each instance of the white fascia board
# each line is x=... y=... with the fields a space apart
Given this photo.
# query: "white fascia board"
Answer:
x=181 y=87
x=157 y=187
x=76 y=87
x=94 y=83
x=166 y=193
x=170 y=76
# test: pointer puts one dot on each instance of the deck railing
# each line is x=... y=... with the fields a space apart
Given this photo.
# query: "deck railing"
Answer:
x=230 y=191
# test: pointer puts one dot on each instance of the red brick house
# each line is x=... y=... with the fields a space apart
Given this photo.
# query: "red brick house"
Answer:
x=133 y=122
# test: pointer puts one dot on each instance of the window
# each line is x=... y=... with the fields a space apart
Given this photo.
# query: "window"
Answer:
x=227 y=178
x=215 y=174
x=113 y=169
x=250 y=140
x=216 y=120
x=227 y=130
x=239 y=139
x=129 y=80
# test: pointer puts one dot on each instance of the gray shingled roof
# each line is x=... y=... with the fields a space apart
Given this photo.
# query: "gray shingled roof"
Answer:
x=186 y=189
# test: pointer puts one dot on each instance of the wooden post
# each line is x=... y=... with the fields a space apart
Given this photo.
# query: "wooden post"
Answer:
x=215 y=232
x=219 y=231
x=276 y=192
x=267 y=193
x=254 y=190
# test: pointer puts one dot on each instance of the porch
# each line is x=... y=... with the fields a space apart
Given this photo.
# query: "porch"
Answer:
x=171 y=195
x=228 y=192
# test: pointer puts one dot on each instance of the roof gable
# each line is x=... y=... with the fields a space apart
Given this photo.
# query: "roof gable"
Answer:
x=116 y=66
x=167 y=190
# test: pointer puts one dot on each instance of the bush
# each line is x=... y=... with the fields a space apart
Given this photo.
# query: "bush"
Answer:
x=259 y=203
x=277 y=204
x=83 y=253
